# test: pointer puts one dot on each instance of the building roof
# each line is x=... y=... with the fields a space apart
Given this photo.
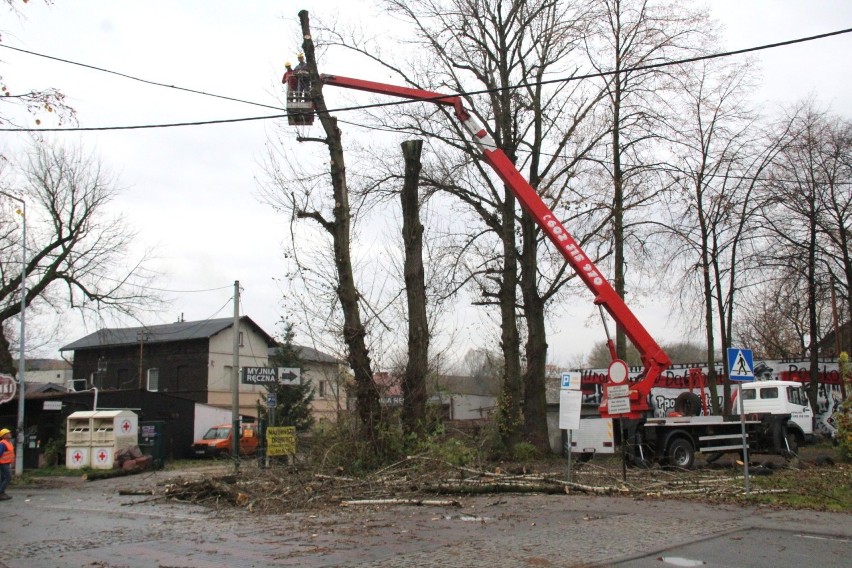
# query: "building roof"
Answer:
x=34 y=388
x=310 y=355
x=35 y=364
x=180 y=331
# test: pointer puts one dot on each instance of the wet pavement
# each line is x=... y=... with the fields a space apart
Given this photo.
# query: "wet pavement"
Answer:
x=78 y=523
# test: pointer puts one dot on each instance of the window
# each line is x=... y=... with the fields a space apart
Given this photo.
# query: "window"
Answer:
x=322 y=389
x=153 y=380
x=240 y=339
x=796 y=395
x=771 y=392
x=749 y=394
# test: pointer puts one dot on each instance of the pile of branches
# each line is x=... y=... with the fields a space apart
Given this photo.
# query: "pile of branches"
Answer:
x=419 y=480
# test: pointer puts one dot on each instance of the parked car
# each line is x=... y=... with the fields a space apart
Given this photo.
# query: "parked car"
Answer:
x=218 y=441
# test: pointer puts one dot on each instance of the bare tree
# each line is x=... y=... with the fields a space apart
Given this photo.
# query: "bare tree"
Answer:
x=76 y=254
x=772 y=317
x=835 y=222
x=331 y=210
x=795 y=201
x=721 y=151
x=629 y=36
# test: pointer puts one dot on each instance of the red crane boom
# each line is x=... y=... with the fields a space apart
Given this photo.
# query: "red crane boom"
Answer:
x=654 y=359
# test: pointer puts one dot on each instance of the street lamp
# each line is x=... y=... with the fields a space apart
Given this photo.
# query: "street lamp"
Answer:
x=22 y=371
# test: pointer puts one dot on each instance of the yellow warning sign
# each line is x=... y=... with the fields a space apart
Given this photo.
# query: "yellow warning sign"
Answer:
x=280 y=441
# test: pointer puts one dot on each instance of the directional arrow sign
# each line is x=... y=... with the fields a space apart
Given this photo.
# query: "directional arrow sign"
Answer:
x=289 y=375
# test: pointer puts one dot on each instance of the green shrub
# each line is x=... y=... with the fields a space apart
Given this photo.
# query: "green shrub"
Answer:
x=524 y=451
x=53 y=450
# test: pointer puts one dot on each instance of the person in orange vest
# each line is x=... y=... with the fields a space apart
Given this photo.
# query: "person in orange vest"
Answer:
x=7 y=458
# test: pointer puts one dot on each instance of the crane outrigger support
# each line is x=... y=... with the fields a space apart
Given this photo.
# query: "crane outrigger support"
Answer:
x=654 y=359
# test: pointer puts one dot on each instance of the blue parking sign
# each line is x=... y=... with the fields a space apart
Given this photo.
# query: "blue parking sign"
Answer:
x=740 y=364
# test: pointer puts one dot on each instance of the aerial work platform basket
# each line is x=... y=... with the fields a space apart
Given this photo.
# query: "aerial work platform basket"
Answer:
x=300 y=107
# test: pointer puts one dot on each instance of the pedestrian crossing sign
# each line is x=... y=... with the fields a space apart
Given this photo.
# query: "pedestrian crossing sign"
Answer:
x=740 y=364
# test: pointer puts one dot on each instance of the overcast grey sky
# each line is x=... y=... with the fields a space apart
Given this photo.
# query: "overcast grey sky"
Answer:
x=192 y=190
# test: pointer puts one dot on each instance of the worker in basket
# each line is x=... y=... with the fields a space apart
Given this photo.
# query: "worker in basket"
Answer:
x=300 y=108
x=302 y=73
x=287 y=74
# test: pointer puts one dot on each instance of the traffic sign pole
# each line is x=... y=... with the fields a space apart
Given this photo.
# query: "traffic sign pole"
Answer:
x=740 y=370
x=745 y=439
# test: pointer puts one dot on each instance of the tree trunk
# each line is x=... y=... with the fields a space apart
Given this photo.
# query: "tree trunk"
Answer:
x=354 y=333
x=509 y=405
x=535 y=395
x=813 y=308
x=7 y=364
x=707 y=285
x=414 y=380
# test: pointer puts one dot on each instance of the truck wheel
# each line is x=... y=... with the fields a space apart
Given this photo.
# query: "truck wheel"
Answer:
x=681 y=453
x=688 y=404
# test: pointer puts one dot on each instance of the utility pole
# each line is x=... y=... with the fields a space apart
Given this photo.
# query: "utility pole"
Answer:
x=235 y=380
x=142 y=337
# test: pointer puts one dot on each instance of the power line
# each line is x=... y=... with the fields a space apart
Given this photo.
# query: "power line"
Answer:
x=599 y=74
x=166 y=290
x=658 y=167
x=131 y=77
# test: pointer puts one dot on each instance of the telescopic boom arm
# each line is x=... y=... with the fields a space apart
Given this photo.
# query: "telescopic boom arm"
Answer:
x=653 y=357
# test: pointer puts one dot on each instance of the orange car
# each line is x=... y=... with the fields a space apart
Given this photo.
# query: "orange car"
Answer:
x=218 y=441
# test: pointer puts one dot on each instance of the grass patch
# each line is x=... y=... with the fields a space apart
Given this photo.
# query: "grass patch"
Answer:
x=822 y=488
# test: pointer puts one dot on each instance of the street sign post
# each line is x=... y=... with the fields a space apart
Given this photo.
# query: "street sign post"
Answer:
x=741 y=370
x=570 y=403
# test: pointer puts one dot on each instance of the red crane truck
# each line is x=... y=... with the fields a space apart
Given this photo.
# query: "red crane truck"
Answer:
x=673 y=440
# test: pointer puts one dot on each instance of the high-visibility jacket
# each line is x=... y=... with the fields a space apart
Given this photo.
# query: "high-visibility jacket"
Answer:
x=7 y=456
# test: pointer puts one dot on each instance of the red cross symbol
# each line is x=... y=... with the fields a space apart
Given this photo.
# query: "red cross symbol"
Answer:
x=77 y=456
x=102 y=456
x=125 y=425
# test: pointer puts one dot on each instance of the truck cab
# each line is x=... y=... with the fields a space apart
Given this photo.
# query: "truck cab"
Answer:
x=218 y=441
x=781 y=397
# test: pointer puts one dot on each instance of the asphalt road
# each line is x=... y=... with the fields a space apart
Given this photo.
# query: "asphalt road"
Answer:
x=78 y=523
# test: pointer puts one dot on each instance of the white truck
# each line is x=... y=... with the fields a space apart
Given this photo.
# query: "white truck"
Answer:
x=778 y=420
x=781 y=397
